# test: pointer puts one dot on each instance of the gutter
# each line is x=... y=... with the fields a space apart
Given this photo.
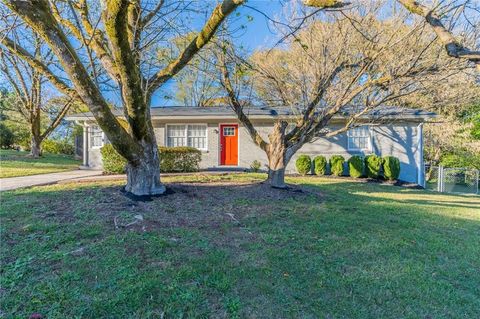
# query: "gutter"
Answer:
x=255 y=117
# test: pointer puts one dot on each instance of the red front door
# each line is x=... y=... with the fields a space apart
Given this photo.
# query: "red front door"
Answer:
x=229 y=144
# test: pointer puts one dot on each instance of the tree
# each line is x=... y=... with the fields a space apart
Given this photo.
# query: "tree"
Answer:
x=197 y=84
x=453 y=47
x=341 y=65
x=30 y=101
x=13 y=121
x=112 y=47
x=6 y=136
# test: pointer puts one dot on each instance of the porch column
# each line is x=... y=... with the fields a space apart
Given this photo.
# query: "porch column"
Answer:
x=421 y=162
x=85 y=145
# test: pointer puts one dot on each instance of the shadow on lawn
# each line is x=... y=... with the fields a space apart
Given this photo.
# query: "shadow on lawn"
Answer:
x=220 y=201
x=325 y=250
x=420 y=197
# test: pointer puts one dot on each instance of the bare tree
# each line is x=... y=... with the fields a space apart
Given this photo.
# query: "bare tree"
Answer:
x=113 y=45
x=30 y=100
x=453 y=46
x=347 y=65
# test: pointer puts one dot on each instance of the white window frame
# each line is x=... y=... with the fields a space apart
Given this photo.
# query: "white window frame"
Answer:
x=369 y=139
x=90 y=131
x=186 y=134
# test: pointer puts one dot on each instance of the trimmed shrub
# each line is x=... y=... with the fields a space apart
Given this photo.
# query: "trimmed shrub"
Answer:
x=57 y=147
x=113 y=163
x=320 y=165
x=373 y=164
x=336 y=165
x=179 y=159
x=7 y=137
x=391 y=167
x=304 y=164
x=356 y=166
x=255 y=166
x=172 y=159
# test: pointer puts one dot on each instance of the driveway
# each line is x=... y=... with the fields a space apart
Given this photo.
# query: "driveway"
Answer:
x=43 y=179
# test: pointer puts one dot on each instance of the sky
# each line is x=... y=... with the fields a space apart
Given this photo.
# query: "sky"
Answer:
x=257 y=34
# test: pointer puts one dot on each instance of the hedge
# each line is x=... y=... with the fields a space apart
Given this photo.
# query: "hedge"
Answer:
x=179 y=159
x=356 y=166
x=336 y=164
x=373 y=164
x=57 y=147
x=320 y=165
x=304 y=164
x=172 y=159
x=112 y=161
x=391 y=167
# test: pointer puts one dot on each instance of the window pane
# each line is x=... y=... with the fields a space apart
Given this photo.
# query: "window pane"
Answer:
x=228 y=131
x=96 y=136
x=176 y=135
x=191 y=135
x=197 y=136
x=359 y=138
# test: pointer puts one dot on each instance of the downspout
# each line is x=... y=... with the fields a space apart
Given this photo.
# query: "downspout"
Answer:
x=420 y=160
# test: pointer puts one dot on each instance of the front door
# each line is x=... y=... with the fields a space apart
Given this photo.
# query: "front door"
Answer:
x=229 y=144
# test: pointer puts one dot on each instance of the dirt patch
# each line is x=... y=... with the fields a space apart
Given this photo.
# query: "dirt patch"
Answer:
x=197 y=205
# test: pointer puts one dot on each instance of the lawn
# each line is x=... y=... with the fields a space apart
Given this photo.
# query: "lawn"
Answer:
x=13 y=163
x=230 y=247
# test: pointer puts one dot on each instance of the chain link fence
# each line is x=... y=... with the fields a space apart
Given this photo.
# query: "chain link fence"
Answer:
x=452 y=180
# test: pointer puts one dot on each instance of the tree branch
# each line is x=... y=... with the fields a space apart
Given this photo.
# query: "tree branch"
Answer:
x=58 y=119
x=453 y=48
x=135 y=106
x=23 y=54
x=219 y=14
x=39 y=17
x=152 y=13
x=97 y=42
x=238 y=109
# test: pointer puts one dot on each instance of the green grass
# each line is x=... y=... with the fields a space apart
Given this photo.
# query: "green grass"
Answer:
x=215 y=249
x=13 y=164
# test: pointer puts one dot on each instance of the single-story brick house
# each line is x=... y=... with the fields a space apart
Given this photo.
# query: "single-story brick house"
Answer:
x=225 y=144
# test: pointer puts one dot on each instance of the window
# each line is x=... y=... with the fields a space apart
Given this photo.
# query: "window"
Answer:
x=176 y=135
x=228 y=131
x=96 y=137
x=194 y=135
x=359 y=138
x=197 y=136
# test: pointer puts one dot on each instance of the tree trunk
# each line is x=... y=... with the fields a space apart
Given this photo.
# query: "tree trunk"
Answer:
x=276 y=153
x=276 y=170
x=35 y=147
x=143 y=177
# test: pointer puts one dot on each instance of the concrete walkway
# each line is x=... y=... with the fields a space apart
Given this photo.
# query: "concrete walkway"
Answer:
x=11 y=183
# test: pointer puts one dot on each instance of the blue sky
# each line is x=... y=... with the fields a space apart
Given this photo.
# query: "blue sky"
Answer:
x=255 y=35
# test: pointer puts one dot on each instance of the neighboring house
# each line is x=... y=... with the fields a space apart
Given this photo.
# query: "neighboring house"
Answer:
x=225 y=144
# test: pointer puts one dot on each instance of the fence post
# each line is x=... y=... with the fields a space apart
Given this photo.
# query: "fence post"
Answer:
x=440 y=179
x=477 y=180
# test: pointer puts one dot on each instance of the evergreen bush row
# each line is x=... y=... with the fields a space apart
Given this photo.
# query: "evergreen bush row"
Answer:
x=372 y=166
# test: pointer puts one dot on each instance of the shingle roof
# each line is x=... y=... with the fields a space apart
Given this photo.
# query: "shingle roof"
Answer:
x=227 y=112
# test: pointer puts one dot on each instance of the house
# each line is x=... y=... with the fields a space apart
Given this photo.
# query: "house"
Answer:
x=225 y=144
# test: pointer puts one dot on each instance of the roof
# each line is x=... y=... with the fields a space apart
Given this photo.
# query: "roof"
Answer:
x=225 y=112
